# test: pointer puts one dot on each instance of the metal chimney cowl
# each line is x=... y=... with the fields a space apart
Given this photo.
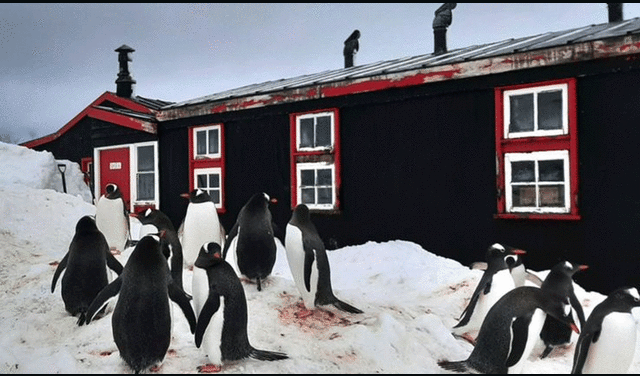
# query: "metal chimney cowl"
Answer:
x=124 y=82
x=615 y=12
x=351 y=47
x=441 y=21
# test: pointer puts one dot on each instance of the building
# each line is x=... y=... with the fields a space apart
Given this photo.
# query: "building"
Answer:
x=529 y=142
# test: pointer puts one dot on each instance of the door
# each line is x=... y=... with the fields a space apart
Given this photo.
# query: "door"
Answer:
x=114 y=168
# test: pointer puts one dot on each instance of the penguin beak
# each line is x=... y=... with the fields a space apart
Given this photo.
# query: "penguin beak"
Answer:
x=134 y=215
x=217 y=255
x=583 y=267
x=184 y=195
x=519 y=252
x=273 y=200
x=574 y=327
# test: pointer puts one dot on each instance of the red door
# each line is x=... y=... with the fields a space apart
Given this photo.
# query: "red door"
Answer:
x=114 y=168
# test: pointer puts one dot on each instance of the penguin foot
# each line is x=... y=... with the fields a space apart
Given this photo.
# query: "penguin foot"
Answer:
x=210 y=368
x=155 y=369
x=114 y=251
x=303 y=311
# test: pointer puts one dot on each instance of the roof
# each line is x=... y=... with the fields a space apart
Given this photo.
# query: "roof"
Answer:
x=567 y=38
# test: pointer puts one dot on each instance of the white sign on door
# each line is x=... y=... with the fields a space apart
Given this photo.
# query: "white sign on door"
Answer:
x=115 y=165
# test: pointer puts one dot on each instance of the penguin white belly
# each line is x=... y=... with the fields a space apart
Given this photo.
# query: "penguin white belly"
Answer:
x=535 y=327
x=501 y=283
x=295 y=257
x=232 y=255
x=199 y=289
x=112 y=223
x=613 y=351
x=212 y=338
x=519 y=274
x=201 y=226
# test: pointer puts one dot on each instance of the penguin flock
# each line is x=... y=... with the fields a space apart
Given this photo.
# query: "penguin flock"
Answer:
x=509 y=311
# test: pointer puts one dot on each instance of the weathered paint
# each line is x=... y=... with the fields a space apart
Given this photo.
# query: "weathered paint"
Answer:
x=626 y=45
x=122 y=120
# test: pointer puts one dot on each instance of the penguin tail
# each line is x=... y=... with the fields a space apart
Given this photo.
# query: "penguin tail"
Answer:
x=345 y=307
x=547 y=351
x=83 y=317
x=267 y=355
x=460 y=366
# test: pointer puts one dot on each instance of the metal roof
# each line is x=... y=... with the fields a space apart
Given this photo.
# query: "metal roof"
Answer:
x=154 y=104
x=506 y=47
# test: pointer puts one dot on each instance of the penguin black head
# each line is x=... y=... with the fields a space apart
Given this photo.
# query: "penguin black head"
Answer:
x=508 y=253
x=300 y=215
x=112 y=191
x=197 y=196
x=86 y=224
x=210 y=254
x=626 y=298
x=559 y=281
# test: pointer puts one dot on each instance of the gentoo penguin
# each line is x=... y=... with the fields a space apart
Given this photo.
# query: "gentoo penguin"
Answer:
x=555 y=333
x=155 y=221
x=200 y=225
x=309 y=263
x=141 y=321
x=495 y=282
x=86 y=264
x=112 y=218
x=221 y=308
x=608 y=340
x=511 y=328
x=253 y=238
x=521 y=276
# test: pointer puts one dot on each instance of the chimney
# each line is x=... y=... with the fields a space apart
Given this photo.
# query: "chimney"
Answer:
x=615 y=12
x=351 y=46
x=124 y=82
x=441 y=21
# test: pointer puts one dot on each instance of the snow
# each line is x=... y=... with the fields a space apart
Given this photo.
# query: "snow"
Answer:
x=411 y=298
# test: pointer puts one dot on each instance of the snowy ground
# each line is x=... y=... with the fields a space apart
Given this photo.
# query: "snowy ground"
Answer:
x=410 y=297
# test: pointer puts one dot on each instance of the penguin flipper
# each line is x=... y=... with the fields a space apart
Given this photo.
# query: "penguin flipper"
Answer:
x=209 y=308
x=484 y=286
x=59 y=269
x=227 y=243
x=113 y=263
x=346 y=307
x=109 y=291
x=519 y=334
x=533 y=278
x=267 y=355
x=575 y=303
x=309 y=260
x=582 y=349
x=182 y=299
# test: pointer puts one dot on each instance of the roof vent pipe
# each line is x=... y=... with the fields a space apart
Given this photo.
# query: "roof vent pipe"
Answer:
x=124 y=82
x=351 y=46
x=441 y=21
x=615 y=12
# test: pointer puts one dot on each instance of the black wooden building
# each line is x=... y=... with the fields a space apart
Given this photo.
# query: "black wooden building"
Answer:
x=530 y=142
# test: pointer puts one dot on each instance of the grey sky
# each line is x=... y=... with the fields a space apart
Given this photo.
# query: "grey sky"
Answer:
x=55 y=59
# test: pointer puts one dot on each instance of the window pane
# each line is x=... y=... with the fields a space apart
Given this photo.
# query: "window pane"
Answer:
x=307 y=178
x=521 y=113
x=215 y=195
x=324 y=177
x=213 y=141
x=522 y=171
x=306 y=133
x=323 y=131
x=324 y=196
x=201 y=143
x=214 y=181
x=524 y=195
x=145 y=158
x=308 y=195
x=145 y=186
x=550 y=110
x=201 y=181
x=551 y=170
x=552 y=195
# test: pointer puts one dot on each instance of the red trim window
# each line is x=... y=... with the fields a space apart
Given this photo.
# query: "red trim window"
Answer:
x=536 y=150
x=206 y=161
x=315 y=160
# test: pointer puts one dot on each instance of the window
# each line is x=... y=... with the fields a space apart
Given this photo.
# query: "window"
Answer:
x=315 y=160
x=206 y=161
x=536 y=151
x=145 y=175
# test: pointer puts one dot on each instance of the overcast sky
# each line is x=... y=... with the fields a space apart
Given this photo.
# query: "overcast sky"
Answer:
x=58 y=58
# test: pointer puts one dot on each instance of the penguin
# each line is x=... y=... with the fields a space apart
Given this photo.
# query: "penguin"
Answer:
x=512 y=326
x=86 y=264
x=555 y=333
x=521 y=276
x=154 y=221
x=221 y=308
x=200 y=225
x=608 y=340
x=309 y=263
x=141 y=320
x=254 y=243
x=495 y=282
x=112 y=218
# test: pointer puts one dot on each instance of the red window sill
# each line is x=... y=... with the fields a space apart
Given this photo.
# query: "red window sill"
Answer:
x=555 y=217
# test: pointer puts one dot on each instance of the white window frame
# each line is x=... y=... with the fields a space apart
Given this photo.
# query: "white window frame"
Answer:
x=315 y=115
x=316 y=166
x=535 y=91
x=206 y=129
x=209 y=171
x=537 y=156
